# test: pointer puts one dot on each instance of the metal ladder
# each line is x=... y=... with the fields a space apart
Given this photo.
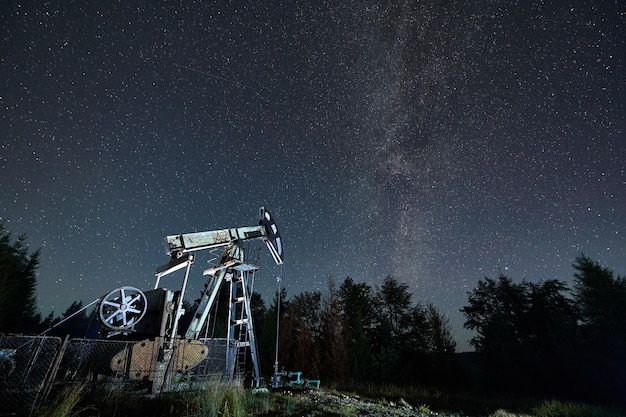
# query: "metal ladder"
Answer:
x=241 y=330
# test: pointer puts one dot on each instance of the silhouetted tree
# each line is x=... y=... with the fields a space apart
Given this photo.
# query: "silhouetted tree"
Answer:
x=522 y=329
x=601 y=297
x=396 y=353
x=494 y=313
x=394 y=306
x=302 y=331
x=332 y=355
x=258 y=309
x=18 y=283
x=416 y=332
x=357 y=305
x=440 y=366
x=439 y=333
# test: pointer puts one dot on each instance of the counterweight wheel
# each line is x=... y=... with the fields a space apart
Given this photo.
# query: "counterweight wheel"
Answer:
x=122 y=308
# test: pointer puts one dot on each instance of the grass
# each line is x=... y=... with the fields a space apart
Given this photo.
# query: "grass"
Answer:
x=505 y=413
x=555 y=408
x=66 y=403
x=229 y=400
x=260 y=403
x=217 y=399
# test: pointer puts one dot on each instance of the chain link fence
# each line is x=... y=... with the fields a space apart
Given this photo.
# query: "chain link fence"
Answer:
x=31 y=366
x=25 y=364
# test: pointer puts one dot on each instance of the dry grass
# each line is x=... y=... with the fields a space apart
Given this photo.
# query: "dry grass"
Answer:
x=555 y=408
x=65 y=404
x=220 y=399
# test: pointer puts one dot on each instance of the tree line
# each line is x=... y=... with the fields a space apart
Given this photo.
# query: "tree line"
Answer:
x=538 y=339
x=546 y=338
x=356 y=333
x=531 y=338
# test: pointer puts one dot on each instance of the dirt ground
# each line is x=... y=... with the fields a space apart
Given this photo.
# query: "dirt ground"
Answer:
x=341 y=404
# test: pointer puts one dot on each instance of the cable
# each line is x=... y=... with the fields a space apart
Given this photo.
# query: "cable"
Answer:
x=70 y=316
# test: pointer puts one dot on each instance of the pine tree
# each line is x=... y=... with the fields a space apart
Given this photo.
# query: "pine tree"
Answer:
x=601 y=297
x=391 y=336
x=18 y=283
x=302 y=317
x=440 y=338
x=331 y=337
x=602 y=300
x=357 y=312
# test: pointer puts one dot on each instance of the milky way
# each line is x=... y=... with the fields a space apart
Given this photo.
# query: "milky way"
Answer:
x=439 y=142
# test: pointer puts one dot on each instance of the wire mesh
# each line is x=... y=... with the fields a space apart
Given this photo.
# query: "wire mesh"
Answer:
x=25 y=362
x=105 y=360
x=31 y=366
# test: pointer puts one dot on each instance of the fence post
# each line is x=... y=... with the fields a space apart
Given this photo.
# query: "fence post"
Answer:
x=33 y=359
x=48 y=381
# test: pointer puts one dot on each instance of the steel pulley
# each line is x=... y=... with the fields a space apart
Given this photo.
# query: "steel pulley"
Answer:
x=122 y=308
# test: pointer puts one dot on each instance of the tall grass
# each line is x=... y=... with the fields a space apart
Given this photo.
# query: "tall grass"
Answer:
x=555 y=408
x=260 y=403
x=220 y=399
x=64 y=404
x=217 y=399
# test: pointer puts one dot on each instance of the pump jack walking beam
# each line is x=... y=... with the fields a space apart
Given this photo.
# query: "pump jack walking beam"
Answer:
x=231 y=264
x=178 y=245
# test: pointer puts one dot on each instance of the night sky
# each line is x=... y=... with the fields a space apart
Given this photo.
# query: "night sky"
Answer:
x=436 y=141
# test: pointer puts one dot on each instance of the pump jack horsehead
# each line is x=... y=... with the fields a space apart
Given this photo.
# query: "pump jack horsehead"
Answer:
x=151 y=318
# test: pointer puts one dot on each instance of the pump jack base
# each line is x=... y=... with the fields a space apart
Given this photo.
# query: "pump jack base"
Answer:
x=139 y=361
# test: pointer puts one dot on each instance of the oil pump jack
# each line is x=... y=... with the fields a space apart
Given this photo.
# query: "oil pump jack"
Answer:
x=152 y=318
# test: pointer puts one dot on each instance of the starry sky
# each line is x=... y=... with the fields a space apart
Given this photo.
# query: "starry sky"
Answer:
x=436 y=141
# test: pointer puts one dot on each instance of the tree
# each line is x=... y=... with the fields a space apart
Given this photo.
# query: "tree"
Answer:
x=522 y=331
x=258 y=310
x=394 y=301
x=439 y=337
x=601 y=297
x=357 y=305
x=399 y=332
x=332 y=354
x=439 y=366
x=302 y=330
x=602 y=301
x=494 y=312
x=18 y=283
